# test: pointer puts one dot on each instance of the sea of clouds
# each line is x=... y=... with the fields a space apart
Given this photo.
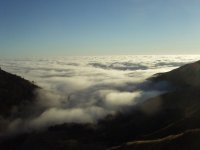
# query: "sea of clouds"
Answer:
x=88 y=88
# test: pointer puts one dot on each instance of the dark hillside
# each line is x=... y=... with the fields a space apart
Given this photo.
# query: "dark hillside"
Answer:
x=14 y=91
x=187 y=75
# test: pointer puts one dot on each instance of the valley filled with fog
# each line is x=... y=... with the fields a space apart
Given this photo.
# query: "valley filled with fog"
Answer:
x=88 y=88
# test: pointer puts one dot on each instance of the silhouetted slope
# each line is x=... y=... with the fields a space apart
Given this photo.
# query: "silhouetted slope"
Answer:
x=187 y=75
x=14 y=91
x=172 y=114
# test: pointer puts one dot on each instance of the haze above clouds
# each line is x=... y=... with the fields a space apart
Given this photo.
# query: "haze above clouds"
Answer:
x=86 y=89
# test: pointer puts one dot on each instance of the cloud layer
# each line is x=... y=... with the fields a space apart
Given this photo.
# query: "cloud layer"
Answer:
x=85 y=89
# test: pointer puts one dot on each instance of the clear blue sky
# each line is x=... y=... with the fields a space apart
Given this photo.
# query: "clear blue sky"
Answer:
x=99 y=27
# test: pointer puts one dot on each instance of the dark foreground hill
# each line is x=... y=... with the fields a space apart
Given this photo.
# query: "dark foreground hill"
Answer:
x=167 y=122
x=14 y=91
x=187 y=140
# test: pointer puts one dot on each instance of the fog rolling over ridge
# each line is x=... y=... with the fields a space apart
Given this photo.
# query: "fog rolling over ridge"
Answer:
x=86 y=89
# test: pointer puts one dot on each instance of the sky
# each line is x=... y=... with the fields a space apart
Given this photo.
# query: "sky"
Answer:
x=98 y=27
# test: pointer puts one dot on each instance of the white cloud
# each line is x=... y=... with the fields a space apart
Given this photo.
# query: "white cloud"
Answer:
x=121 y=98
x=85 y=89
